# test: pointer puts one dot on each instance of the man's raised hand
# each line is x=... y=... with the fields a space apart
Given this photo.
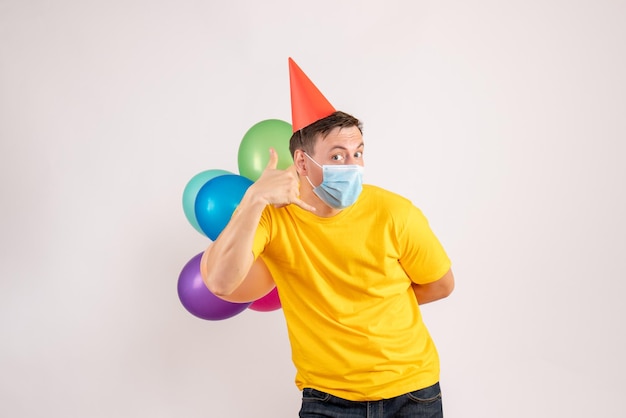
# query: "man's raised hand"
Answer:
x=279 y=187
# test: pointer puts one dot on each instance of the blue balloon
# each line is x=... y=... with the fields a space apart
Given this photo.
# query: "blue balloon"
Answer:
x=191 y=191
x=217 y=200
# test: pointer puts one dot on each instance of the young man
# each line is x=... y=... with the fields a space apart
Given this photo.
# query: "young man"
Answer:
x=352 y=264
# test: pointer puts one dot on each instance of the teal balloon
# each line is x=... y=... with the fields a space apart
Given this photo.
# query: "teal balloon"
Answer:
x=254 y=149
x=191 y=192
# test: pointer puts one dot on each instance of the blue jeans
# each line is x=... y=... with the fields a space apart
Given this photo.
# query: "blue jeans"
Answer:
x=423 y=403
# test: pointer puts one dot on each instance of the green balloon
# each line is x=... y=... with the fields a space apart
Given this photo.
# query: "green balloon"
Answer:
x=254 y=149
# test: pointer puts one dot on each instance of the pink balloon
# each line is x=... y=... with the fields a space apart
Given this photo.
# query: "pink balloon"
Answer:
x=267 y=303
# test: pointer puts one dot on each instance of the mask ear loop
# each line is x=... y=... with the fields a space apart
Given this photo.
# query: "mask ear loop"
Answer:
x=316 y=163
x=309 y=180
x=311 y=158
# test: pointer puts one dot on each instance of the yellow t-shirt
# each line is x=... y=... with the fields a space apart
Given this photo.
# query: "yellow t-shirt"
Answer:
x=345 y=286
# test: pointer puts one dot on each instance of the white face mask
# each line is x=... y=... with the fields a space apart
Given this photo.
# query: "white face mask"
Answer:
x=341 y=184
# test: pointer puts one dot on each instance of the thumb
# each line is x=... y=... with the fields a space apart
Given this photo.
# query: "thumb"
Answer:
x=273 y=162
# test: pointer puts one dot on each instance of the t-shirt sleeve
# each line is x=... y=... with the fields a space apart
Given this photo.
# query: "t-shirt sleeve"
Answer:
x=262 y=235
x=421 y=254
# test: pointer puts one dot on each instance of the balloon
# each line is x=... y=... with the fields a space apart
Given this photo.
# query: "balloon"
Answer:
x=269 y=302
x=254 y=153
x=199 y=300
x=217 y=200
x=191 y=191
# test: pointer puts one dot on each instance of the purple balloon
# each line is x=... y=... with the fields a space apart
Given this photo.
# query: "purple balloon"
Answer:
x=199 y=300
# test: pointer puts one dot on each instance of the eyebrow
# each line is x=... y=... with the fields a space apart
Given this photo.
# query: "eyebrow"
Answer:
x=344 y=148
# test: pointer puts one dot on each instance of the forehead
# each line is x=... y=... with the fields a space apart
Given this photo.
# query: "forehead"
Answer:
x=349 y=138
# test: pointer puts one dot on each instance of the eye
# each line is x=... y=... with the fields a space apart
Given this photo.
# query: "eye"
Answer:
x=358 y=154
x=337 y=157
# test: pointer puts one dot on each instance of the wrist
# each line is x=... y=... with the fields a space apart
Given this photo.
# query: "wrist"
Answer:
x=251 y=202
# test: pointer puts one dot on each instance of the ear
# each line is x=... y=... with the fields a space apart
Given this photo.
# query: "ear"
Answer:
x=299 y=162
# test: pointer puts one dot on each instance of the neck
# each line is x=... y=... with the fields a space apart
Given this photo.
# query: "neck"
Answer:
x=322 y=209
x=325 y=211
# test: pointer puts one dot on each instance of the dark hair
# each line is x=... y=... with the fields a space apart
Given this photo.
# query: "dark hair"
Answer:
x=306 y=137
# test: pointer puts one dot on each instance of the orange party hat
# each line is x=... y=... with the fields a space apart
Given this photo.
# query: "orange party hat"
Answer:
x=308 y=104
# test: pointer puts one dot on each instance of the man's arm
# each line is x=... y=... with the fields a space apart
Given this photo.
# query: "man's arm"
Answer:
x=436 y=290
x=257 y=283
x=226 y=264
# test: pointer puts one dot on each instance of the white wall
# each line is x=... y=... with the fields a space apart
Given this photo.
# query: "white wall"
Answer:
x=503 y=121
